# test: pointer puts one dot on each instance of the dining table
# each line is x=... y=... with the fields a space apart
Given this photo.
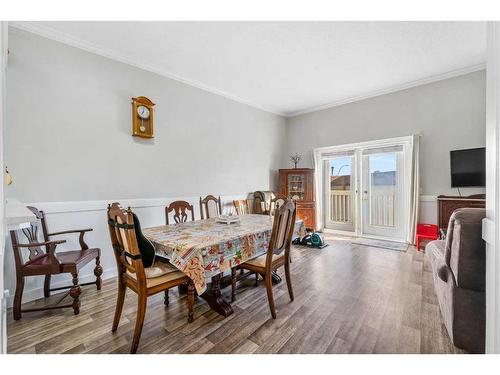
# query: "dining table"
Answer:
x=205 y=249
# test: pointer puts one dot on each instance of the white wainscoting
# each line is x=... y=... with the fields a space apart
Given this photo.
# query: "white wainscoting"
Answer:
x=428 y=209
x=92 y=214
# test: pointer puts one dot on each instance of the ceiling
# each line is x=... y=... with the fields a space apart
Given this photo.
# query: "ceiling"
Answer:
x=285 y=67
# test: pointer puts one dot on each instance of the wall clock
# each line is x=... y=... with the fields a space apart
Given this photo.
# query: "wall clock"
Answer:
x=142 y=117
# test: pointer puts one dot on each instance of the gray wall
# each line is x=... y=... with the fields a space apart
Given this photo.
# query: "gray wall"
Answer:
x=69 y=131
x=449 y=114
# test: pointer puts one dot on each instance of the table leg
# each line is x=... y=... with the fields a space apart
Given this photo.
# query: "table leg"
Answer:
x=215 y=300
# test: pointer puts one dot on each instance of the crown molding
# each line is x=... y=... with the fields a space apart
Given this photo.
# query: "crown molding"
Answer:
x=389 y=90
x=60 y=37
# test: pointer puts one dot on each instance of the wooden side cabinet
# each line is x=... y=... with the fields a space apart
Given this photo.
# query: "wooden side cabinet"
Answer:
x=298 y=184
x=448 y=204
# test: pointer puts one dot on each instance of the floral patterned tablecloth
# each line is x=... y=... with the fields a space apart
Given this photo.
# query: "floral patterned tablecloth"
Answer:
x=204 y=248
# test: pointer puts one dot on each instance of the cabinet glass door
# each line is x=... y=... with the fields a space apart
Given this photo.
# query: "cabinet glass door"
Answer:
x=296 y=186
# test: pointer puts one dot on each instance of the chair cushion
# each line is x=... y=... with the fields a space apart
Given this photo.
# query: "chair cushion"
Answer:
x=261 y=260
x=160 y=273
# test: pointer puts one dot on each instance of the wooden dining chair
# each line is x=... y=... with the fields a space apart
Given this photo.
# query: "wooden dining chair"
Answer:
x=277 y=255
x=277 y=201
x=47 y=262
x=241 y=206
x=179 y=209
x=132 y=274
x=210 y=206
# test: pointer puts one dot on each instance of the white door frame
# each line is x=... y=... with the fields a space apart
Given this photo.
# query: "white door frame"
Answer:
x=491 y=231
x=3 y=300
x=325 y=153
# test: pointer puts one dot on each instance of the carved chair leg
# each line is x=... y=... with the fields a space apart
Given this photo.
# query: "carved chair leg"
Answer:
x=46 y=286
x=269 y=289
x=166 y=299
x=288 y=280
x=190 y=301
x=75 y=292
x=256 y=279
x=233 y=284
x=98 y=273
x=18 y=297
x=139 y=321
x=119 y=306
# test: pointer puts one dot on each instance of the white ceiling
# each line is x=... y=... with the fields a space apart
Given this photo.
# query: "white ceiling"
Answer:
x=285 y=67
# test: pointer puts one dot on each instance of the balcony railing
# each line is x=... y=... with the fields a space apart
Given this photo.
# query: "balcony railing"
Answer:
x=381 y=206
x=340 y=206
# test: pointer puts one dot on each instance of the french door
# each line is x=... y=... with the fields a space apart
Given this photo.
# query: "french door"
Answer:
x=365 y=191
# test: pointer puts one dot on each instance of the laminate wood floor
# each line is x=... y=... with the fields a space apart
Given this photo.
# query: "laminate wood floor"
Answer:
x=348 y=299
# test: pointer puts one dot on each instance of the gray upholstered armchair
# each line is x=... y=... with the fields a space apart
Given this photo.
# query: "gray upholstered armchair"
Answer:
x=459 y=270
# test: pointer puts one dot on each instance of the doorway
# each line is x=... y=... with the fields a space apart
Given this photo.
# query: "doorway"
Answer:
x=366 y=189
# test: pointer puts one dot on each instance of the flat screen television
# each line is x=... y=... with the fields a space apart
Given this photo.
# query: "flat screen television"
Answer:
x=468 y=167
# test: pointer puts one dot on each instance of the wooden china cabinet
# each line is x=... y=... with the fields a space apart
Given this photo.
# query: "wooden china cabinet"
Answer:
x=298 y=184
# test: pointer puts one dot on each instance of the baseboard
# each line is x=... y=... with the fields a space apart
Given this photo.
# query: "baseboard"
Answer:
x=33 y=294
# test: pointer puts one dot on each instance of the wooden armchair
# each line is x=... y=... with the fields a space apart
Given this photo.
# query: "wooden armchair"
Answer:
x=278 y=253
x=179 y=209
x=132 y=274
x=241 y=206
x=50 y=263
x=210 y=207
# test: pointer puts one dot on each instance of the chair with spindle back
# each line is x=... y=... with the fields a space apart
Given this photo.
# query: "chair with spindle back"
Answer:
x=210 y=207
x=241 y=206
x=132 y=274
x=47 y=263
x=277 y=201
x=278 y=253
x=179 y=209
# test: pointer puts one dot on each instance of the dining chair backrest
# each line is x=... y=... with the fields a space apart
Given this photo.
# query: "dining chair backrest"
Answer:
x=179 y=209
x=241 y=206
x=36 y=232
x=282 y=233
x=124 y=241
x=277 y=201
x=210 y=207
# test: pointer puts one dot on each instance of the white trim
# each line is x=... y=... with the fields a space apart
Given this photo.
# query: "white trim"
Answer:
x=428 y=198
x=365 y=144
x=389 y=90
x=60 y=37
x=323 y=153
x=491 y=232
x=50 y=33
x=3 y=295
x=101 y=205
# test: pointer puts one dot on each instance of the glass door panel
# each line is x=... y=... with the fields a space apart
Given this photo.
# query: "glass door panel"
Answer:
x=382 y=194
x=341 y=193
